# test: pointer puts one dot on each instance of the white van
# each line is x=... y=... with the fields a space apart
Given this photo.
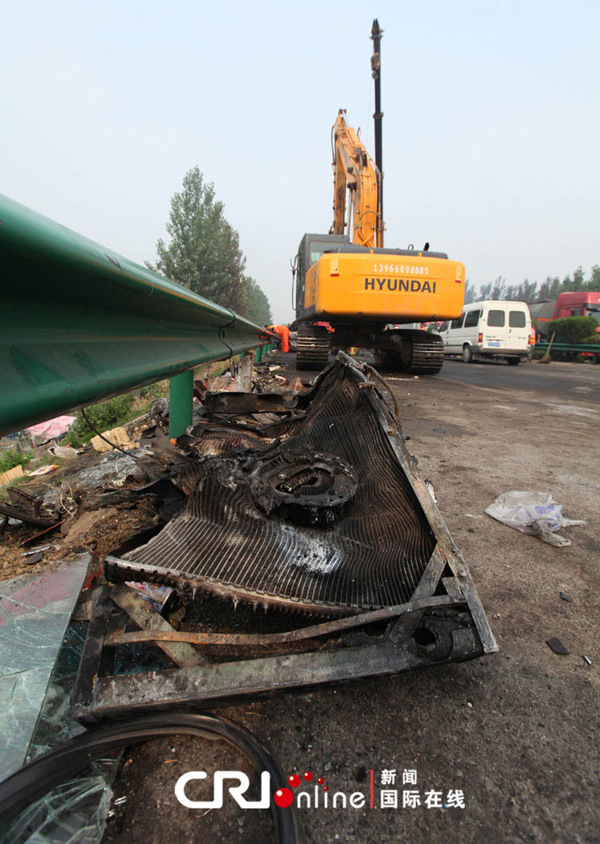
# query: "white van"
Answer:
x=491 y=329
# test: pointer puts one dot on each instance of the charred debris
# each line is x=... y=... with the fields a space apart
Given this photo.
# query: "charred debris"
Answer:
x=285 y=540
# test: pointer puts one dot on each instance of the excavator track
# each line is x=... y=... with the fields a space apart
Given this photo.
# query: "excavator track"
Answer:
x=416 y=352
x=312 y=347
x=427 y=354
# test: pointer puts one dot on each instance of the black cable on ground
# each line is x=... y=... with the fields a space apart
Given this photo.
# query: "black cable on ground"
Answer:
x=37 y=778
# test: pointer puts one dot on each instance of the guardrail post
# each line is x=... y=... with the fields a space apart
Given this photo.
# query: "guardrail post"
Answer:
x=181 y=397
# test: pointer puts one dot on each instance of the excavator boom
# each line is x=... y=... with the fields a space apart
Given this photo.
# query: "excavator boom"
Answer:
x=355 y=173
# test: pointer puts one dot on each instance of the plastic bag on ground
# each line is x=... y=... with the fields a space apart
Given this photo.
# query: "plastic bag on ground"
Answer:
x=535 y=513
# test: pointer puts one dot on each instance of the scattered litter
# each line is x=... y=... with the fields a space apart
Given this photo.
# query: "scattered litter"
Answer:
x=37 y=535
x=155 y=595
x=28 y=508
x=11 y=475
x=566 y=597
x=159 y=409
x=587 y=659
x=51 y=429
x=557 y=646
x=35 y=550
x=113 y=470
x=43 y=470
x=535 y=513
x=118 y=437
x=64 y=452
x=32 y=559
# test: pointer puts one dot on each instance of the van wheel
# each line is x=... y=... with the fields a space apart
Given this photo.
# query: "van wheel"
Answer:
x=513 y=361
x=467 y=354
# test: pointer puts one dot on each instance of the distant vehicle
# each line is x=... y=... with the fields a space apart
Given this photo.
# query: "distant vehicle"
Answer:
x=576 y=303
x=492 y=329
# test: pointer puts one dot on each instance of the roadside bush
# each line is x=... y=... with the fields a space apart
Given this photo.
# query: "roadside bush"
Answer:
x=106 y=415
x=13 y=457
x=114 y=412
x=572 y=329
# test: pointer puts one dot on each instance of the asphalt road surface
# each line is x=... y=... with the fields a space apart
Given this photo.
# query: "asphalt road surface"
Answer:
x=567 y=381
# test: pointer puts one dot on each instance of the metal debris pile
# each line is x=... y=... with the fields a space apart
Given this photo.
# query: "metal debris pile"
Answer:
x=289 y=499
x=312 y=511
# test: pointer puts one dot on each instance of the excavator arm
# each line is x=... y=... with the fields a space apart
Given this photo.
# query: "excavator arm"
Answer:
x=355 y=172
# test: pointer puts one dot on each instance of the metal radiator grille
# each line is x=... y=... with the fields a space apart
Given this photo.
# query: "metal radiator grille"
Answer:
x=372 y=557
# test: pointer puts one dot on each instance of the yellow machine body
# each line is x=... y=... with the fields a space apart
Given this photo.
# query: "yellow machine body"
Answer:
x=371 y=287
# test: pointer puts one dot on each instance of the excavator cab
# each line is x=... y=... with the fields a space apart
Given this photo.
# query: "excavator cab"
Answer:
x=312 y=246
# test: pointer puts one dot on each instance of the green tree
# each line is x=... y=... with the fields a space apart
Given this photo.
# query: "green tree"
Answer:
x=204 y=250
x=594 y=282
x=258 y=309
x=469 y=293
x=485 y=291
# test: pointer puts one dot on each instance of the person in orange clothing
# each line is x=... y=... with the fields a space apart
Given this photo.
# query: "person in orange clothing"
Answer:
x=284 y=333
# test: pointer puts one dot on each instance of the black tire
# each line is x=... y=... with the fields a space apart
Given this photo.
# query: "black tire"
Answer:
x=513 y=361
x=467 y=354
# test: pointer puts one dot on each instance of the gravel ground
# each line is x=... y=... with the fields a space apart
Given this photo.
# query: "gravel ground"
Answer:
x=516 y=732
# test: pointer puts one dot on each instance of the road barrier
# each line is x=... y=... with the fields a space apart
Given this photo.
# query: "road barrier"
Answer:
x=577 y=348
x=80 y=323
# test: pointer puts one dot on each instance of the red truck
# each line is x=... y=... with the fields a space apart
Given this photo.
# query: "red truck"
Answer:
x=567 y=305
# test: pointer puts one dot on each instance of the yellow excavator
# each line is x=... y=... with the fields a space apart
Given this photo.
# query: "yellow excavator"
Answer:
x=349 y=289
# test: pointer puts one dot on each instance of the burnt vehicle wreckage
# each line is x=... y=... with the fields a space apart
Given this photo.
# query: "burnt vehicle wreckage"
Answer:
x=322 y=519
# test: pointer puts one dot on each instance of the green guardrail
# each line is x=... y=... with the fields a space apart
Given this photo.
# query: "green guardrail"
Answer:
x=577 y=348
x=80 y=323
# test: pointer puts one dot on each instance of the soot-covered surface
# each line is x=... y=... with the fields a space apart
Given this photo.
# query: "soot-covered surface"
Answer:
x=373 y=556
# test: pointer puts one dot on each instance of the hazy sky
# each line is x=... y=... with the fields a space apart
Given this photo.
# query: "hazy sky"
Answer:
x=490 y=138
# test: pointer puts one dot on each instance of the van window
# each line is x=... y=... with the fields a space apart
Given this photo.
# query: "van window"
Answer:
x=472 y=319
x=496 y=319
x=444 y=327
x=516 y=319
x=457 y=323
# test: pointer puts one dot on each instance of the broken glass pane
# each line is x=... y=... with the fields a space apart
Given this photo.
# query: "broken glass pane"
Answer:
x=34 y=615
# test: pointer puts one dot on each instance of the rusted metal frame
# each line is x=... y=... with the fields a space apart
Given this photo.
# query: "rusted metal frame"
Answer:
x=167 y=633
x=240 y=403
x=225 y=683
x=154 y=628
x=445 y=544
x=91 y=658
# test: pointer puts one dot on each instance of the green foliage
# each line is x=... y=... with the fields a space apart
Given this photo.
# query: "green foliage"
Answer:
x=469 y=293
x=572 y=329
x=257 y=308
x=204 y=251
x=530 y=292
x=13 y=457
x=114 y=412
x=104 y=416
